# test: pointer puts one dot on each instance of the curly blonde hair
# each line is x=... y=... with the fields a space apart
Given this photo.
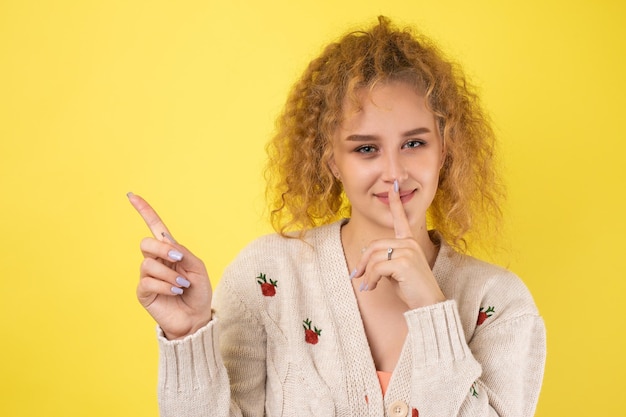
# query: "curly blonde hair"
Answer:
x=301 y=189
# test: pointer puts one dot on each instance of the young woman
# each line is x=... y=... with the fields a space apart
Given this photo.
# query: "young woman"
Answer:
x=368 y=315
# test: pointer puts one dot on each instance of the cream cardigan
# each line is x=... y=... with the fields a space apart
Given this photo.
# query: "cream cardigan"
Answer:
x=287 y=340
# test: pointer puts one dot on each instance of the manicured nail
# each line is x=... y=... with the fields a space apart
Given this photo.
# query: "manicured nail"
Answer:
x=183 y=282
x=177 y=291
x=167 y=235
x=396 y=186
x=363 y=287
x=129 y=194
x=353 y=273
x=175 y=255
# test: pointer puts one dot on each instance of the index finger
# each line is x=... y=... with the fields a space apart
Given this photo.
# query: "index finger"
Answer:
x=401 y=225
x=147 y=213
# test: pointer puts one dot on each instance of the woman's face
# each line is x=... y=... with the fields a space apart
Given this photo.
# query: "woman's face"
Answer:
x=393 y=136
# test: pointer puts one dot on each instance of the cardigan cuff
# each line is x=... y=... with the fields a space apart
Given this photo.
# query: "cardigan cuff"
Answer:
x=189 y=363
x=436 y=334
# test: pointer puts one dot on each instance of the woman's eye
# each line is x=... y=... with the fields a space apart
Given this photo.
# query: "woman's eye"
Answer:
x=413 y=144
x=366 y=149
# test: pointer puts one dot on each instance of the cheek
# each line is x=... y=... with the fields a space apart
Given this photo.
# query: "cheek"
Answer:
x=433 y=174
x=427 y=171
x=359 y=181
x=357 y=170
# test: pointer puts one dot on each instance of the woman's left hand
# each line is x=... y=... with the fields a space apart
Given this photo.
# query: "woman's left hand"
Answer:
x=407 y=267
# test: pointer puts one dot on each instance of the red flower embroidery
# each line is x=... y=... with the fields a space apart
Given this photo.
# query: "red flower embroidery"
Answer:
x=267 y=288
x=484 y=314
x=474 y=390
x=311 y=336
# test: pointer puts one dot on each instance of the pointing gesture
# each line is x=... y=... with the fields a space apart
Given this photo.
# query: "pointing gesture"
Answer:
x=174 y=286
x=401 y=260
x=147 y=213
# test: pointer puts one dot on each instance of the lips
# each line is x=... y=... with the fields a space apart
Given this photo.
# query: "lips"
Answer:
x=405 y=196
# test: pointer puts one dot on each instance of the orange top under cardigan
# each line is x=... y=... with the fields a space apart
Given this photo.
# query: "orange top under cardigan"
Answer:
x=384 y=378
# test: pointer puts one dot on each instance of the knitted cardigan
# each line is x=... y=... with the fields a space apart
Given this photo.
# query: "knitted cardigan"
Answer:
x=287 y=339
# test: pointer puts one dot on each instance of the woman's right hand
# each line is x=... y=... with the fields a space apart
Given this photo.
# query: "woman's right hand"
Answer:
x=174 y=286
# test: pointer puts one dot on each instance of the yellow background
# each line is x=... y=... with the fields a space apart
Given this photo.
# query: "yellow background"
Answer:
x=174 y=100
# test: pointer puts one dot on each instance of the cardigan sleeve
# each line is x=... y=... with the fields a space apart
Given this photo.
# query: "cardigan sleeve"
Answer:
x=218 y=371
x=498 y=373
x=192 y=378
x=512 y=355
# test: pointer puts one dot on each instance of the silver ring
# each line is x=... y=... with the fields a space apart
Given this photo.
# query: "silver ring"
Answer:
x=389 y=252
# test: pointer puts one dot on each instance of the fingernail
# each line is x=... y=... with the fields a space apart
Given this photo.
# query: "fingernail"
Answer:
x=183 y=282
x=175 y=255
x=396 y=186
x=167 y=235
x=353 y=273
x=177 y=291
x=363 y=286
x=129 y=194
x=366 y=287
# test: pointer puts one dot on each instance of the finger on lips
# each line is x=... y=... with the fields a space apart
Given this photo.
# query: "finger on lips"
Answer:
x=400 y=221
x=378 y=253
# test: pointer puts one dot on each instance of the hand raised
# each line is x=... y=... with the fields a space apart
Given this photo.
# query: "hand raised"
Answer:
x=174 y=286
x=401 y=260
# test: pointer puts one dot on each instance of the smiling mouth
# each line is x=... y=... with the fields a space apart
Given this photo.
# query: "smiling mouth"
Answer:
x=405 y=196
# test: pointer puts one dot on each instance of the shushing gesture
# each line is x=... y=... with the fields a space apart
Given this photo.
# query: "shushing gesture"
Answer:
x=174 y=286
x=401 y=260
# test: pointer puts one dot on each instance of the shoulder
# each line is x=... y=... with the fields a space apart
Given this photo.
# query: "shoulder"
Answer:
x=268 y=275
x=480 y=286
x=273 y=248
x=278 y=254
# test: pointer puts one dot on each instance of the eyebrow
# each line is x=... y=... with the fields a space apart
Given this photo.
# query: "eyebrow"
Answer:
x=368 y=138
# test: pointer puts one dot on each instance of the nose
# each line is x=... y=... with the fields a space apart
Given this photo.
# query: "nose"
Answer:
x=394 y=168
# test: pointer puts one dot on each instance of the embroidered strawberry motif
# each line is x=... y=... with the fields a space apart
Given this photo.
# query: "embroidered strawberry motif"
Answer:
x=311 y=335
x=415 y=413
x=484 y=314
x=267 y=288
x=473 y=390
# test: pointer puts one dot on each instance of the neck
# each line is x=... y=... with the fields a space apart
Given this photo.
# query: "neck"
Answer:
x=354 y=238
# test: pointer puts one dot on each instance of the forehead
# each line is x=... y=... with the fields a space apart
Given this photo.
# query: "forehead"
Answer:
x=385 y=103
